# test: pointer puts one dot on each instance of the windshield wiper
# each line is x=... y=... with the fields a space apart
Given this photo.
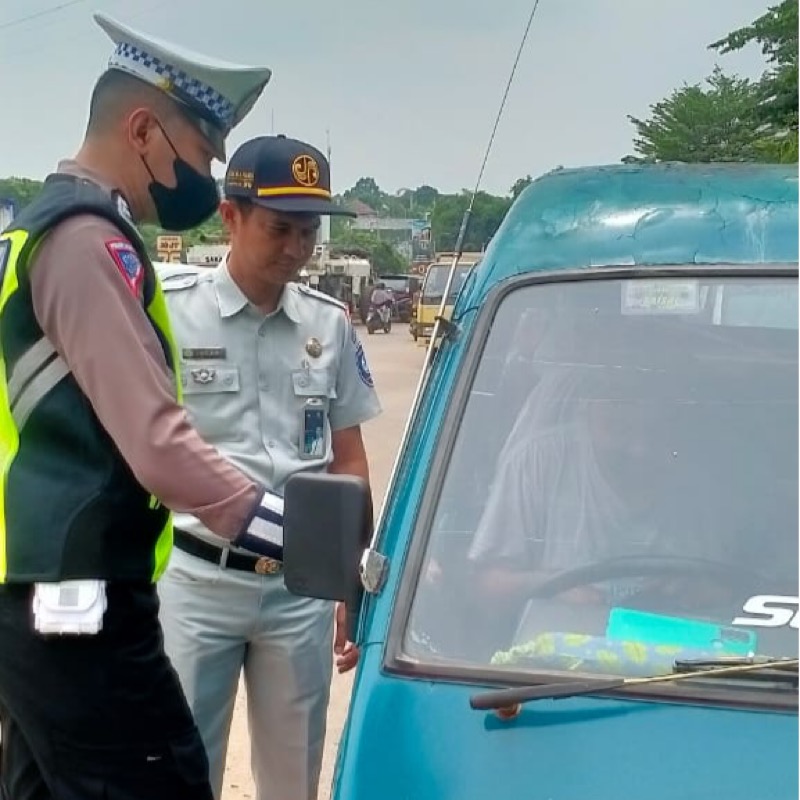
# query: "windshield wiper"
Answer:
x=773 y=669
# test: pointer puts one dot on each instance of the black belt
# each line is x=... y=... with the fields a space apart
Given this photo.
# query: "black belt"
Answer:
x=216 y=555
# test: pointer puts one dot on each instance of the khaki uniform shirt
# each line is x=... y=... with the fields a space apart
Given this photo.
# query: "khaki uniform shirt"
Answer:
x=98 y=326
x=248 y=378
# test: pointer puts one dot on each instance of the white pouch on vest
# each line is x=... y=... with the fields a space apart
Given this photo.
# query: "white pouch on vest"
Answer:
x=74 y=607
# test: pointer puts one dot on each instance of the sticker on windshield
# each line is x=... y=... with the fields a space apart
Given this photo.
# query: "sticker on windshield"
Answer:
x=660 y=297
x=770 y=611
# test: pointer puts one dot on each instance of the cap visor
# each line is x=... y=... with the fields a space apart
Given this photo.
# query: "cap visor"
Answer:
x=303 y=205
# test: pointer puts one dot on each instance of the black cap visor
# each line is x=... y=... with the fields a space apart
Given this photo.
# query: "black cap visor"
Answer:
x=303 y=205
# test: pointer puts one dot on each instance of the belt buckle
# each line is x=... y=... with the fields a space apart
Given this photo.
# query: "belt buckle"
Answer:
x=268 y=566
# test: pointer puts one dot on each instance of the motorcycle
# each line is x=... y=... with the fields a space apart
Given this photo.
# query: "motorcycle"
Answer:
x=379 y=317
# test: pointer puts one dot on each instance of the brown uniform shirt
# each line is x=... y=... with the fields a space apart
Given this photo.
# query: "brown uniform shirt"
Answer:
x=95 y=321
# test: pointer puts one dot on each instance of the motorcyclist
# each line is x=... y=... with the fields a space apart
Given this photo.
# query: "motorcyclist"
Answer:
x=381 y=297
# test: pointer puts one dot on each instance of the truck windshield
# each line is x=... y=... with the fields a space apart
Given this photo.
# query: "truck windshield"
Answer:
x=622 y=489
x=398 y=284
x=436 y=281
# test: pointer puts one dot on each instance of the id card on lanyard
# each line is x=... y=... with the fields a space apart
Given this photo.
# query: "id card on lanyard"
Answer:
x=312 y=429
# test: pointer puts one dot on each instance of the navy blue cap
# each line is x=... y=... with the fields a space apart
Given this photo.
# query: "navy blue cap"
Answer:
x=283 y=175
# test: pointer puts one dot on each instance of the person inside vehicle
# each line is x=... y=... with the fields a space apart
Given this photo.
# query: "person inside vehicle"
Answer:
x=591 y=471
x=563 y=493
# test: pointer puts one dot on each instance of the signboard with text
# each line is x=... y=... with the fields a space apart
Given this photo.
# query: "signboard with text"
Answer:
x=169 y=244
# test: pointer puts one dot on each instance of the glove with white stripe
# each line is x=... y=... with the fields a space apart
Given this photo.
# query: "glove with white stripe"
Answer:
x=263 y=533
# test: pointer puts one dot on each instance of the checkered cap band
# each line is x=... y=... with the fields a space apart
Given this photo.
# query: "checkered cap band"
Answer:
x=144 y=64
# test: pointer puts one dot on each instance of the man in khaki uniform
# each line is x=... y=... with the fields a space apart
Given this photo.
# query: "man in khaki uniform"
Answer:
x=96 y=446
x=275 y=376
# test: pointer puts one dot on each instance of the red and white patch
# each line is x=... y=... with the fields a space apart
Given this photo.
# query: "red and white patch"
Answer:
x=128 y=263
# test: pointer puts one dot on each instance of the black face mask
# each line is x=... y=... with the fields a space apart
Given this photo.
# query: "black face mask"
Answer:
x=192 y=200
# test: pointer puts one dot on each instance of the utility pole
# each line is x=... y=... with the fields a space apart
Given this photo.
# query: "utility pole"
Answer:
x=325 y=228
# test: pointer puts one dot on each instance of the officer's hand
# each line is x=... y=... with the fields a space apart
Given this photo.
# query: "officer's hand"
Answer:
x=346 y=652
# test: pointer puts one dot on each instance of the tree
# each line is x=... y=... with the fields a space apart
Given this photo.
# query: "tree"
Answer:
x=425 y=197
x=701 y=124
x=21 y=190
x=367 y=191
x=383 y=257
x=733 y=119
x=487 y=214
x=777 y=102
x=520 y=185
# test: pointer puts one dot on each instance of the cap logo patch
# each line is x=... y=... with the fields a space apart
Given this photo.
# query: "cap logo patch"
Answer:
x=305 y=170
x=240 y=178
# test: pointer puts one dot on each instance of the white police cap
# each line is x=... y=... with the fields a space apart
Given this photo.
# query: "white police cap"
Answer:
x=218 y=94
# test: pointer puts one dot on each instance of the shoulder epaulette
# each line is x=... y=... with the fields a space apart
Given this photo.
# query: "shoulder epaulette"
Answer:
x=174 y=279
x=317 y=295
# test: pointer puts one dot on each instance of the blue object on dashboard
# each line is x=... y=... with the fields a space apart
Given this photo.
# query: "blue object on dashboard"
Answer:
x=642 y=626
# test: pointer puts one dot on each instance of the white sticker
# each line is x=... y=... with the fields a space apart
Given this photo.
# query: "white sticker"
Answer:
x=770 y=611
x=660 y=297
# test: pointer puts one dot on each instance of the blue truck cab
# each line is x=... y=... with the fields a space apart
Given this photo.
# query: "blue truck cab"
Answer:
x=598 y=486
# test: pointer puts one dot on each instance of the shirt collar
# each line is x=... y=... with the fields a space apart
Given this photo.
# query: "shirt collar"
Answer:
x=231 y=299
x=71 y=167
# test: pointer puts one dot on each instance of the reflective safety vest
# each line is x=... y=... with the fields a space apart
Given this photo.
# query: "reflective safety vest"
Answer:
x=70 y=507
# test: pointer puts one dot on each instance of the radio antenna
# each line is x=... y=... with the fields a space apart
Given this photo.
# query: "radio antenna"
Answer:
x=372 y=562
x=462 y=233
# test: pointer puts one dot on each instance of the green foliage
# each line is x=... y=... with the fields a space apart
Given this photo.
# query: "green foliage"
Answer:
x=701 y=124
x=520 y=185
x=777 y=90
x=20 y=190
x=488 y=212
x=733 y=119
x=444 y=213
x=367 y=191
x=383 y=257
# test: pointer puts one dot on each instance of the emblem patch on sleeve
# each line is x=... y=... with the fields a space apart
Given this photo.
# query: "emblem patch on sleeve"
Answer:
x=128 y=263
x=363 y=367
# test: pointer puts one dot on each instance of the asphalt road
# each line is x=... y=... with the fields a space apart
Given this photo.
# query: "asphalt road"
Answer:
x=395 y=362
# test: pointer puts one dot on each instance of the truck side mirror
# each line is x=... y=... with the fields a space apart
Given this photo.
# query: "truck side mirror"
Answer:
x=327 y=522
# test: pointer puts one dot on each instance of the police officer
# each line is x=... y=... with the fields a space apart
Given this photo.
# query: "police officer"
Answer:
x=95 y=446
x=275 y=376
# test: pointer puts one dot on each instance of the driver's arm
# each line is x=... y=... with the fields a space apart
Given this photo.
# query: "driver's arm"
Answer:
x=505 y=584
x=501 y=554
x=509 y=553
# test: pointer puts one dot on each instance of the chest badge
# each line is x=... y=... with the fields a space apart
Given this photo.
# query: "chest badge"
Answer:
x=204 y=375
x=314 y=347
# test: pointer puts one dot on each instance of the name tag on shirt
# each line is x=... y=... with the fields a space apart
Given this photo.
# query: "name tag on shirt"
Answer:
x=202 y=353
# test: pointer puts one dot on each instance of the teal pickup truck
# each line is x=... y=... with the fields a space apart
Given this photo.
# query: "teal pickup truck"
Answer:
x=583 y=584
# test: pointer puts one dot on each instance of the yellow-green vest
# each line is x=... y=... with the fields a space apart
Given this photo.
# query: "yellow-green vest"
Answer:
x=70 y=507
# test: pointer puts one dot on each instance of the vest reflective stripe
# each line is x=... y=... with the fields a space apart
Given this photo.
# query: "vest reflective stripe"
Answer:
x=28 y=365
x=9 y=435
x=36 y=389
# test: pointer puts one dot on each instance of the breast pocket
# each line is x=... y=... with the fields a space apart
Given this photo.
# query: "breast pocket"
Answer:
x=212 y=396
x=314 y=383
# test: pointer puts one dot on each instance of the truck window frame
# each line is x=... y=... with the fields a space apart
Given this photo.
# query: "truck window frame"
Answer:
x=394 y=660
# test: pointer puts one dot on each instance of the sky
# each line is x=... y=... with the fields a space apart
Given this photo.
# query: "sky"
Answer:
x=407 y=89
